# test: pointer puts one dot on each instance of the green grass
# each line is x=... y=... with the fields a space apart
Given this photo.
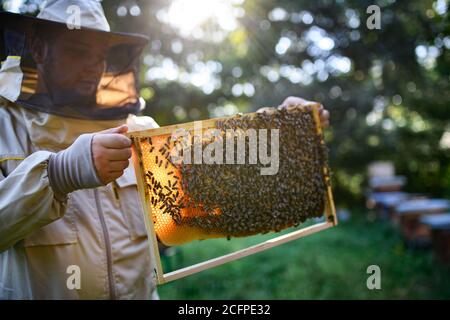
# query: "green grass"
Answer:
x=328 y=265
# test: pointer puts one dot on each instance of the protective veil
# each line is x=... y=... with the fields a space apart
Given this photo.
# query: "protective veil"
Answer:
x=80 y=73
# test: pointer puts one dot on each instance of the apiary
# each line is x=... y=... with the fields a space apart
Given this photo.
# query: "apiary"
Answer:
x=233 y=177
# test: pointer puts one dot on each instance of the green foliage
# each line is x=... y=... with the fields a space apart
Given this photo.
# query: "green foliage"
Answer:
x=329 y=265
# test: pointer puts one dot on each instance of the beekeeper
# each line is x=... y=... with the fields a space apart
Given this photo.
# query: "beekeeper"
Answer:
x=71 y=224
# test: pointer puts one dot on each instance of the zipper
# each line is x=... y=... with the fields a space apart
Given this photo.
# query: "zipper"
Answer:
x=114 y=187
x=112 y=291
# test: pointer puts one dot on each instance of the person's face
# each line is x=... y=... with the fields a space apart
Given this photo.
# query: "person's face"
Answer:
x=73 y=65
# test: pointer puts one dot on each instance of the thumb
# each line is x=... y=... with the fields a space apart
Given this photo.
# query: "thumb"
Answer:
x=120 y=129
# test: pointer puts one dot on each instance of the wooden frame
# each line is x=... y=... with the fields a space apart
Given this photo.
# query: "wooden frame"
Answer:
x=161 y=277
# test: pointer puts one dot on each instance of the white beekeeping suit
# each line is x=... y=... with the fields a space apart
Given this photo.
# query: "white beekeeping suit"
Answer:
x=90 y=243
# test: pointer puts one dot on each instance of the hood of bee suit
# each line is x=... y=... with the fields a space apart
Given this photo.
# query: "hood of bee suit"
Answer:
x=66 y=62
x=53 y=132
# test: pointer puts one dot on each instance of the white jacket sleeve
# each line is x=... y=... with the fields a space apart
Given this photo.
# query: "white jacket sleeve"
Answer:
x=27 y=201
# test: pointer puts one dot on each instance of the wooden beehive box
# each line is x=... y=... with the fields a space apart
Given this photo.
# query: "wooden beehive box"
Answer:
x=186 y=201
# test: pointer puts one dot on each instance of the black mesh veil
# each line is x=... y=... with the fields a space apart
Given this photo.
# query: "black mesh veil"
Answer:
x=80 y=73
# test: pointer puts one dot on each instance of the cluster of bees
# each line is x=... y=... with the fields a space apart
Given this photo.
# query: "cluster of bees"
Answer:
x=164 y=195
x=235 y=199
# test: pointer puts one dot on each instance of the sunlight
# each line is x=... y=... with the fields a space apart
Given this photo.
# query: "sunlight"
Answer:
x=13 y=5
x=189 y=15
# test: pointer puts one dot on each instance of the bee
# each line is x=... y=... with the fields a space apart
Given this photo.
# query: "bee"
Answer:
x=248 y=202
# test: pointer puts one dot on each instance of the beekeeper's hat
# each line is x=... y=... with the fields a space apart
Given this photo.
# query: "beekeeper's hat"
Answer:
x=91 y=13
x=116 y=90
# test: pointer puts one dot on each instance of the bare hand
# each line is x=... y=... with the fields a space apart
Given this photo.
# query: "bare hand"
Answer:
x=111 y=151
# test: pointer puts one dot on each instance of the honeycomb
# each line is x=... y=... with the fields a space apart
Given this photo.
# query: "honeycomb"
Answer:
x=166 y=227
x=199 y=201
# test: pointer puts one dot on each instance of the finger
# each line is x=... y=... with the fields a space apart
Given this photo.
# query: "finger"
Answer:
x=118 y=165
x=266 y=109
x=325 y=124
x=295 y=101
x=113 y=140
x=120 y=129
x=324 y=115
x=118 y=154
x=290 y=107
x=113 y=175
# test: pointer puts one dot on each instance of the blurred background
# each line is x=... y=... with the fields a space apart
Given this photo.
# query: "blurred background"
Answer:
x=388 y=93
